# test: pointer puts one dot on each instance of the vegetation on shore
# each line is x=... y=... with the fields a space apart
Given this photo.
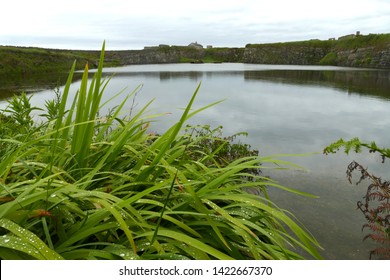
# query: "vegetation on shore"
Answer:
x=20 y=60
x=379 y=41
x=77 y=185
x=308 y=43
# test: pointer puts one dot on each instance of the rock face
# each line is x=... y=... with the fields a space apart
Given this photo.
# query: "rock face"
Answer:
x=284 y=54
x=150 y=55
x=299 y=53
x=364 y=57
x=369 y=56
x=175 y=54
x=354 y=50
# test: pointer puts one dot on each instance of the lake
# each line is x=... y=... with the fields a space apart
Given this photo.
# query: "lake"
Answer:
x=286 y=110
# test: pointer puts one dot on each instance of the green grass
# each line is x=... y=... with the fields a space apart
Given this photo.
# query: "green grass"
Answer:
x=296 y=44
x=378 y=41
x=17 y=61
x=22 y=61
x=79 y=186
x=372 y=40
x=189 y=60
x=329 y=59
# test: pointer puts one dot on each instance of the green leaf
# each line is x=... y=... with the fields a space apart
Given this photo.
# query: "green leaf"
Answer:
x=191 y=242
x=308 y=242
x=165 y=141
x=26 y=242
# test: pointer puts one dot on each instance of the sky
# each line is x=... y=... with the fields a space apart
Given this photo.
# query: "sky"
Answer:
x=129 y=24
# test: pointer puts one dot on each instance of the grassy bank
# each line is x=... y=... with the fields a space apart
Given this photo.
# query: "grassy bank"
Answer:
x=19 y=60
x=378 y=41
x=16 y=61
x=77 y=185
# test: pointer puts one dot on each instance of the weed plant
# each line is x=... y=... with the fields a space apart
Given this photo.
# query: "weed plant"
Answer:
x=79 y=186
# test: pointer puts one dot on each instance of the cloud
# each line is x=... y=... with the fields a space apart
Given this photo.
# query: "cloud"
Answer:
x=134 y=24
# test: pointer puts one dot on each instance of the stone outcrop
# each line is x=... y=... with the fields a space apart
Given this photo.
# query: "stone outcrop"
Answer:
x=371 y=51
x=284 y=54
x=313 y=52
x=364 y=57
x=175 y=54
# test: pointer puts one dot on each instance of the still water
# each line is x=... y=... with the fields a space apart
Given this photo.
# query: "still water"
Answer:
x=285 y=110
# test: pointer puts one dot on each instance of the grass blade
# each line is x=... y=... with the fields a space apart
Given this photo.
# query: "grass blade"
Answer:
x=191 y=242
x=26 y=241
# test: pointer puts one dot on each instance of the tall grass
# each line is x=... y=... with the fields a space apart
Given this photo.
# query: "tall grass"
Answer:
x=78 y=186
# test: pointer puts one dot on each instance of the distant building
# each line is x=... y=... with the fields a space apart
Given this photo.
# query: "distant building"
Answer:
x=195 y=45
x=209 y=47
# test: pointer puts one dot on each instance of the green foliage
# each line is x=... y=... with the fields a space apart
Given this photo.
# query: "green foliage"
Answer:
x=378 y=41
x=20 y=108
x=23 y=61
x=7 y=125
x=19 y=239
x=374 y=40
x=217 y=150
x=10 y=131
x=296 y=44
x=187 y=60
x=356 y=145
x=53 y=107
x=329 y=59
x=92 y=187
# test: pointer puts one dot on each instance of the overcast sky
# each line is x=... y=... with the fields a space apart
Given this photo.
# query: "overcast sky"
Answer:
x=128 y=24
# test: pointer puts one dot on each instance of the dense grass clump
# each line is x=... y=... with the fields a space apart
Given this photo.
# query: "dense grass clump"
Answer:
x=378 y=41
x=21 y=61
x=79 y=186
x=329 y=59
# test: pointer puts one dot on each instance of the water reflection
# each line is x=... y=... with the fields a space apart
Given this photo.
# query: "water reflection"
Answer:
x=370 y=82
x=366 y=82
x=31 y=83
x=166 y=76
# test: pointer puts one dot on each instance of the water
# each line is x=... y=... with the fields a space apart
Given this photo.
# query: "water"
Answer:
x=286 y=110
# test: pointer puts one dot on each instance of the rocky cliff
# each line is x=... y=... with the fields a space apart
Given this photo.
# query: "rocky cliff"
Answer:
x=175 y=54
x=300 y=53
x=364 y=57
x=371 y=51
x=357 y=51
x=153 y=55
